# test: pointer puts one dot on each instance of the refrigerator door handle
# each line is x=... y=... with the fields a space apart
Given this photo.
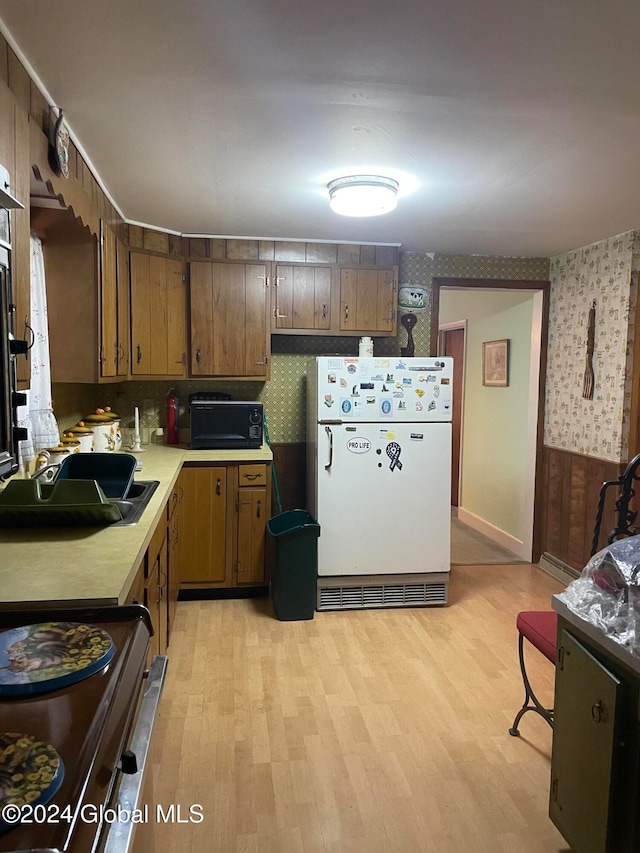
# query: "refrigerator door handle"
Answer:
x=330 y=434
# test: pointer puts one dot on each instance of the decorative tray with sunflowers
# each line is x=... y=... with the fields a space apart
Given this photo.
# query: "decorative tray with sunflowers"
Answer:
x=51 y=655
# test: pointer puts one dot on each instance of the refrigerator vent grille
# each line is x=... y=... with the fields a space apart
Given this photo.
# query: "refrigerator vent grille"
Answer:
x=381 y=595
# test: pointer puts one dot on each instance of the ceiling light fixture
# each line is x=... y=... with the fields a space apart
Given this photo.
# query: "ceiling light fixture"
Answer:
x=363 y=195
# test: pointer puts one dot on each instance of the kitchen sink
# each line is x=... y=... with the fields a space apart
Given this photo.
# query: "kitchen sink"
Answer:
x=135 y=502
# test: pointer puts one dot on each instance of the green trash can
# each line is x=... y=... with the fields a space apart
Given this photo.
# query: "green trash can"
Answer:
x=294 y=570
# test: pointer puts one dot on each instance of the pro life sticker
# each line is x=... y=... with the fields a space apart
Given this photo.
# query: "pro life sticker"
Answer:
x=358 y=445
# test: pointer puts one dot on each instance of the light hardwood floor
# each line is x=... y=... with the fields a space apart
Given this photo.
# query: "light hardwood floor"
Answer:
x=358 y=732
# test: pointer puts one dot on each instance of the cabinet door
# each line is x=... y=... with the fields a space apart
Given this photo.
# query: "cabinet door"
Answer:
x=108 y=302
x=124 y=314
x=251 y=521
x=302 y=296
x=139 y=267
x=367 y=300
x=584 y=738
x=203 y=525
x=157 y=316
x=176 y=318
x=228 y=319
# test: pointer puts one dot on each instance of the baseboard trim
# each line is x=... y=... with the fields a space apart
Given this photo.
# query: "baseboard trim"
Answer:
x=500 y=537
x=204 y=594
x=557 y=569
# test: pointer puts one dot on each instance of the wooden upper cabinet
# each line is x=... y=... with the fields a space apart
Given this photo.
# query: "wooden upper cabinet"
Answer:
x=157 y=316
x=367 y=300
x=229 y=329
x=124 y=316
x=108 y=302
x=302 y=297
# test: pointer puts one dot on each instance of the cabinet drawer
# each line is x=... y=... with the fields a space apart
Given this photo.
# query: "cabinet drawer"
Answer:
x=252 y=475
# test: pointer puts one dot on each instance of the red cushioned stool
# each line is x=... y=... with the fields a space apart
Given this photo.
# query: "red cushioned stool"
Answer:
x=540 y=628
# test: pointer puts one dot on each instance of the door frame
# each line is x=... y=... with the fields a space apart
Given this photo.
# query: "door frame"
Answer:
x=539 y=339
x=450 y=327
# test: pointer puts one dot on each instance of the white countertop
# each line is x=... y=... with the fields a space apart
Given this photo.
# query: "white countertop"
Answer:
x=90 y=566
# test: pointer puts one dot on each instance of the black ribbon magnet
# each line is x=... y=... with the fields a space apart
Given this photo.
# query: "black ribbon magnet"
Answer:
x=393 y=452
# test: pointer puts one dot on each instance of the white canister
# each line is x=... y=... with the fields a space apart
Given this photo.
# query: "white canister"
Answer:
x=106 y=432
x=365 y=350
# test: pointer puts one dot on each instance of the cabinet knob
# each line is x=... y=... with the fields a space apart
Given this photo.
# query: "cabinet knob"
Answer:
x=346 y=311
x=597 y=712
x=258 y=509
x=218 y=486
x=139 y=354
x=198 y=357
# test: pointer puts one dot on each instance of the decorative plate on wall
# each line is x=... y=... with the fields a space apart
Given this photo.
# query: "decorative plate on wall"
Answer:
x=413 y=298
x=61 y=146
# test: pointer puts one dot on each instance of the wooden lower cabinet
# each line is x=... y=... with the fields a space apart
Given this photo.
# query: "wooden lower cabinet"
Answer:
x=202 y=556
x=223 y=515
x=156 y=589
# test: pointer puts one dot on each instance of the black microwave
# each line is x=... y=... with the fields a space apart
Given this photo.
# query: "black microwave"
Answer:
x=226 y=424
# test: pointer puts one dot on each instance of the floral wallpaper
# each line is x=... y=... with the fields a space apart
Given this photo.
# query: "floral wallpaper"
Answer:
x=605 y=272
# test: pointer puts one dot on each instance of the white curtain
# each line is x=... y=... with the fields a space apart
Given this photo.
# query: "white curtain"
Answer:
x=37 y=416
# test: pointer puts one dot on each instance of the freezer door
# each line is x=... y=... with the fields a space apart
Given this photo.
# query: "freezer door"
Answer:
x=383 y=498
x=387 y=389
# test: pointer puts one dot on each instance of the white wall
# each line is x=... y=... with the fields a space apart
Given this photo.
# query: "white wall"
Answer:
x=496 y=431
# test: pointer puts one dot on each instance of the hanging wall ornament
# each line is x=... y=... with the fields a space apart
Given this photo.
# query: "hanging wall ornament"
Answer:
x=588 y=382
x=408 y=321
x=61 y=146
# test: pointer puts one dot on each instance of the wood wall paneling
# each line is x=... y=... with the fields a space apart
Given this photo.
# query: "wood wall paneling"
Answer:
x=217 y=249
x=387 y=256
x=570 y=487
x=368 y=256
x=4 y=60
x=19 y=81
x=348 y=254
x=155 y=241
x=266 y=250
x=135 y=237
x=242 y=250
x=288 y=250
x=198 y=248
x=322 y=253
x=39 y=109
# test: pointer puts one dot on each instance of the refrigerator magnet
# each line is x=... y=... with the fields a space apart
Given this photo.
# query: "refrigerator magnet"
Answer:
x=436 y=390
x=419 y=392
x=345 y=406
x=386 y=408
x=431 y=406
x=393 y=452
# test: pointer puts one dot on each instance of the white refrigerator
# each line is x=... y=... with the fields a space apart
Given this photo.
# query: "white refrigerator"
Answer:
x=379 y=478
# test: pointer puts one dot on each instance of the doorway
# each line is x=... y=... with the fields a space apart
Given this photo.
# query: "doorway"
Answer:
x=452 y=343
x=523 y=541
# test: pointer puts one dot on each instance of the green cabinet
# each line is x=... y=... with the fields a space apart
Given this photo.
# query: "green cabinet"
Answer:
x=595 y=764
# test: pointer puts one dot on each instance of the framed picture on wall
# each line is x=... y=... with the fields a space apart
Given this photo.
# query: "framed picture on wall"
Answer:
x=495 y=363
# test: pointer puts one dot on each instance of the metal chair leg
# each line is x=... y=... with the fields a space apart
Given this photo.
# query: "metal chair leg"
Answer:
x=531 y=702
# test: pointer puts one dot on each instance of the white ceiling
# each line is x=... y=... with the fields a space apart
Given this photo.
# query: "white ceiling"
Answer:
x=512 y=126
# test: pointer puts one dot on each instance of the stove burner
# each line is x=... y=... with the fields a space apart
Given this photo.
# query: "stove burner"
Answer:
x=30 y=774
x=50 y=655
